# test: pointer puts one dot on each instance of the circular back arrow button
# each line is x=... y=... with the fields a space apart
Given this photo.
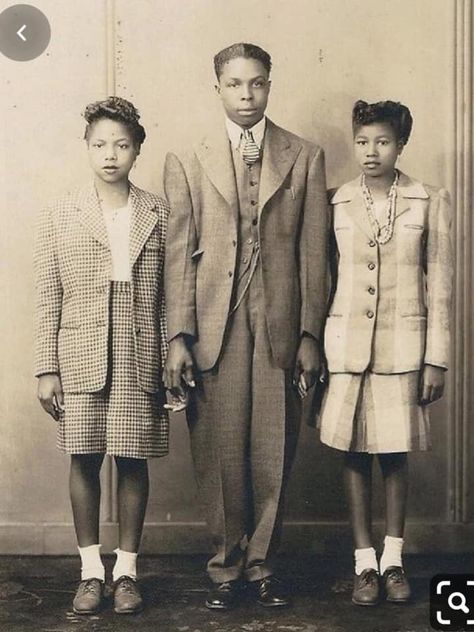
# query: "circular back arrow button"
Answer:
x=24 y=32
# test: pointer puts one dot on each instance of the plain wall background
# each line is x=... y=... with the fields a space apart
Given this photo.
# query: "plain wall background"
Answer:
x=326 y=54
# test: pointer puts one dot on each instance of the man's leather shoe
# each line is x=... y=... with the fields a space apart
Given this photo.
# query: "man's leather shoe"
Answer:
x=224 y=596
x=366 y=588
x=127 y=597
x=88 y=598
x=270 y=592
x=397 y=588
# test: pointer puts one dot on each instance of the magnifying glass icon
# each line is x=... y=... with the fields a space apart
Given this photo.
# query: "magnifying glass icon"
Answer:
x=458 y=606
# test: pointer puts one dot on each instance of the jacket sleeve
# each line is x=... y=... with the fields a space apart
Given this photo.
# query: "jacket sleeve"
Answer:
x=49 y=295
x=181 y=240
x=439 y=280
x=313 y=249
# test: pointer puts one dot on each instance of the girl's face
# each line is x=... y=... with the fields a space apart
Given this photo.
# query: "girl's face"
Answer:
x=111 y=149
x=376 y=149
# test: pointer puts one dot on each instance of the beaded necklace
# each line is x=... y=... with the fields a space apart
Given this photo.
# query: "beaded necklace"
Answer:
x=383 y=233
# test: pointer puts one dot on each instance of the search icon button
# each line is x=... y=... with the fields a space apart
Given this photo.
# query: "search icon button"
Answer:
x=462 y=605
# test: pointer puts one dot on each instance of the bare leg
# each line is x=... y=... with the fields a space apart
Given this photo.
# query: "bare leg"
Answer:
x=84 y=488
x=133 y=488
x=358 y=482
x=395 y=474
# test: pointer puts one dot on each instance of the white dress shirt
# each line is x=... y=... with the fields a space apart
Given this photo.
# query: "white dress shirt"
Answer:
x=235 y=132
x=117 y=222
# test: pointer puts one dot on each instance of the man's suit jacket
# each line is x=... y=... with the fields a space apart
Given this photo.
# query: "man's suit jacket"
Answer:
x=391 y=303
x=73 y=265
x=202 y=242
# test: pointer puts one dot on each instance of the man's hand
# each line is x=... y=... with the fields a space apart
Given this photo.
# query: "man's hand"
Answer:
x=307 y=365
x=431 y=384
x=178 y=373
x=50 y=394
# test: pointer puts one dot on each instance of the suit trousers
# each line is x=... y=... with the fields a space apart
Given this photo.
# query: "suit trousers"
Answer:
x=244 y=420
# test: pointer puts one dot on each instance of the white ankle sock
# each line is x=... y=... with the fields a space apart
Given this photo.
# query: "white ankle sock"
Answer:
x=392 y=553
x=126 y=564
x=365 y=558
x=91 y=564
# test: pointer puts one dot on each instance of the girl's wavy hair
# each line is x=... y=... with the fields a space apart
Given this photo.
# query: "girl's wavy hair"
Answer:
x=116 y=109
x=396 y=114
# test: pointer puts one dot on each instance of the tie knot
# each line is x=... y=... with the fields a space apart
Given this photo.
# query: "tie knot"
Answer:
x=248 y=135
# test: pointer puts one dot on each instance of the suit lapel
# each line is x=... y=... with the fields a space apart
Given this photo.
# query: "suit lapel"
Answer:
x=279 y=155
x=350 y=195
x=408 y=190
x=143 y=221
x=91 y=216
x=215 y=156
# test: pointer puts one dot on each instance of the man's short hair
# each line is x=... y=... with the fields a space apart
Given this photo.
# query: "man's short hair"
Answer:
x=249 y=51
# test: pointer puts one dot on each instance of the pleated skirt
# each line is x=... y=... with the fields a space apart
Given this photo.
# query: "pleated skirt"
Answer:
x=122 y=419
x=374 y=413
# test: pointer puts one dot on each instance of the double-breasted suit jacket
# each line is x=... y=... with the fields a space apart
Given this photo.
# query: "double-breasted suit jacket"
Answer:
x=202 y=244
x=73 y=264
x=390 y=303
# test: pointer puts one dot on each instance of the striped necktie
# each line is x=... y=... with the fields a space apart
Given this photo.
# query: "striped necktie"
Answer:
x=250 y=150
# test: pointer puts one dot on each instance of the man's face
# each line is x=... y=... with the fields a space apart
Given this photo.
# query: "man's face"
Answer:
x=244 y=88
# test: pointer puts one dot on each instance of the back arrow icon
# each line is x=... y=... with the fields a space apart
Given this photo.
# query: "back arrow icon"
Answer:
x=20 y=32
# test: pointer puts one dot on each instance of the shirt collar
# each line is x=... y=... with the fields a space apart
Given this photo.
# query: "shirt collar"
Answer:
x=235 y=132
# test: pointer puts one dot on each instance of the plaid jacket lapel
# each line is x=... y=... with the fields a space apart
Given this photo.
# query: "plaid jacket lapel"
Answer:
x=144 y=218
x=91 y=215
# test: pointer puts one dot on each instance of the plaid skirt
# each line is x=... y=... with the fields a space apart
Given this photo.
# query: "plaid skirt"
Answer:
x=122 y=419
x=375 y=413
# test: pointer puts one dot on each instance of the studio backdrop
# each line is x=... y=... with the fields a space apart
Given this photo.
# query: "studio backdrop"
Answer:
x=158 y=53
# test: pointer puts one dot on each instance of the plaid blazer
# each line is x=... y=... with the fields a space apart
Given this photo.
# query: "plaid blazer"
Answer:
x=202 y=243
x=390 y=305
x=73 y=265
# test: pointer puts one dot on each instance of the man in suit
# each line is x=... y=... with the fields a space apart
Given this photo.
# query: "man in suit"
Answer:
x=245 y=285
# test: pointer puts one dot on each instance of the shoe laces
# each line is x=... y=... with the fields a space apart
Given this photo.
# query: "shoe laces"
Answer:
x=369 y=578
x=395 y=575
x=126 y=584
x=89 y=586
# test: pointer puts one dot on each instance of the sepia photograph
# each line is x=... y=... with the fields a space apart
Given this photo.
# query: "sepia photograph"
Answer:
x=237 y=298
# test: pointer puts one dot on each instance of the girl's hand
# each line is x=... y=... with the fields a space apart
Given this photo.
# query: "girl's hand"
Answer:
x=176 y=403
x=431 y=384
x=307 y=365
x=50 y=394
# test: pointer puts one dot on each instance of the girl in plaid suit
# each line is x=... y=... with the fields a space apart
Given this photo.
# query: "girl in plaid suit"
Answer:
x=387 y=333
x=101 y=338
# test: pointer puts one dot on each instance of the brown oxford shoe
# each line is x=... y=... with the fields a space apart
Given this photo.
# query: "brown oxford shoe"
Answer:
x=88 y=598
x=270 y=592
x=397 y=588
x=127 y=597
x=366 y=588
x=224 y=596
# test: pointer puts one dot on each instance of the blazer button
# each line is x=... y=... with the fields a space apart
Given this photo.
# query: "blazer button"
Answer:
x=370 y=314
x=138 y=331
x=371 y=290
x=253 y=202
x=372 y=243
x=254 y=221
x=253 y=183
x=245 y=260
x=229 y=273
x=234 y=243
x=371 y=266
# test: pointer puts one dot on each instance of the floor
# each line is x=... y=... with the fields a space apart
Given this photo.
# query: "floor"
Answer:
x=36 y=594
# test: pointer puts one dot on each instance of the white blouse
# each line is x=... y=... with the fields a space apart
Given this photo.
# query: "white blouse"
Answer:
x=117 y=222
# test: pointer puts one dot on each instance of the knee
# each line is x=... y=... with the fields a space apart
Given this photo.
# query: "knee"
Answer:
x=131 y=467
x=86 y=464
x=358 y=461
x=393 y=461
